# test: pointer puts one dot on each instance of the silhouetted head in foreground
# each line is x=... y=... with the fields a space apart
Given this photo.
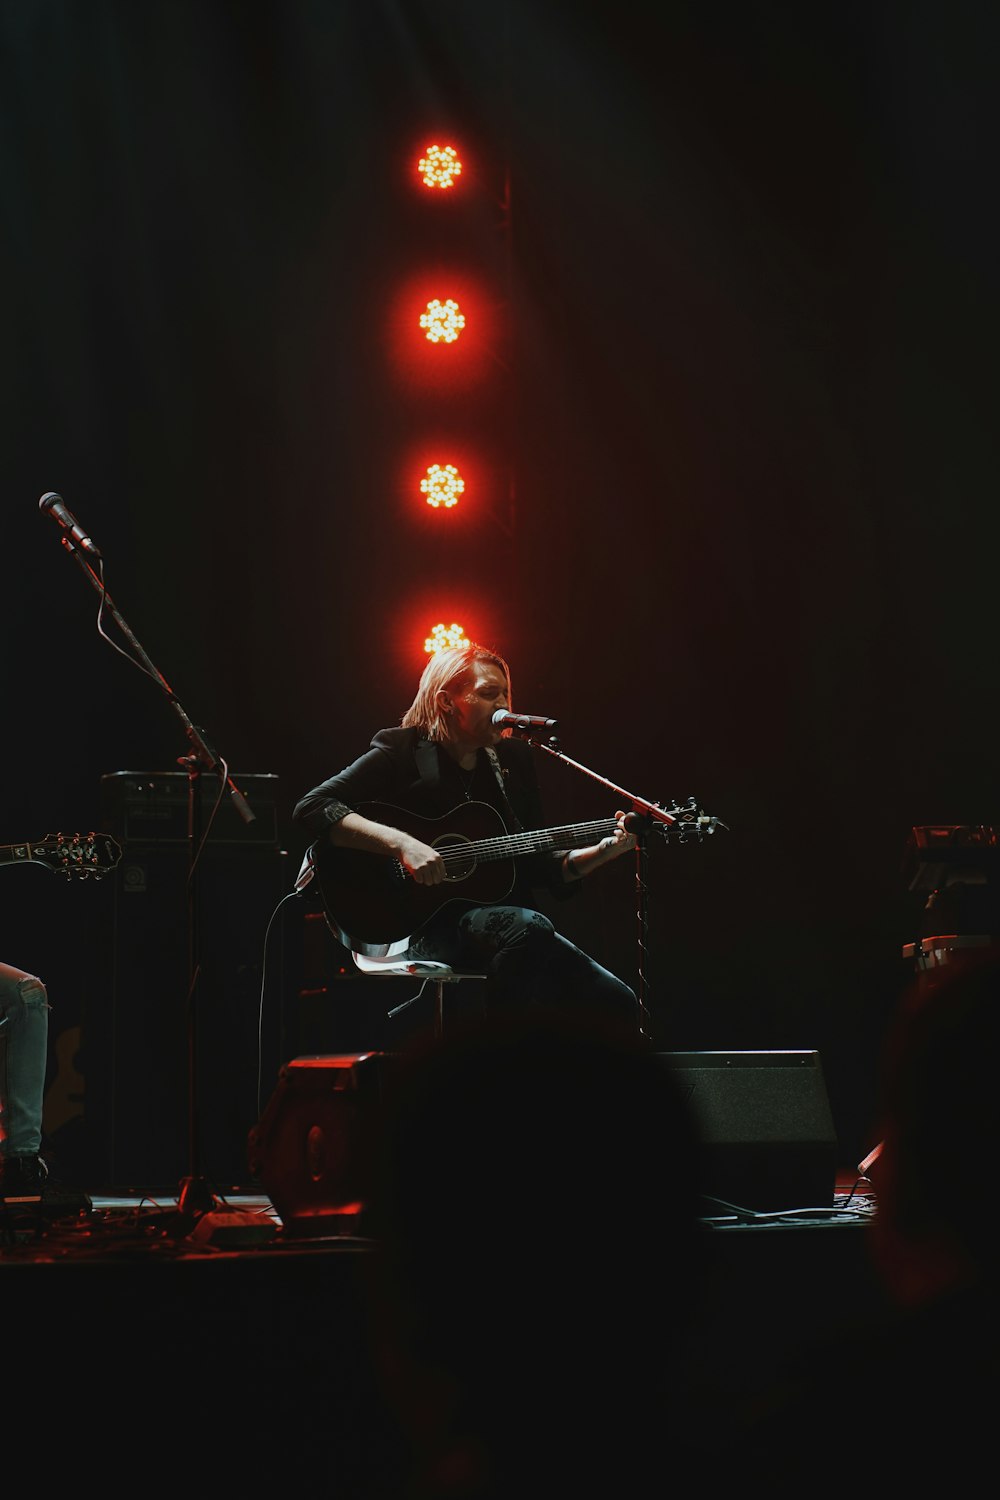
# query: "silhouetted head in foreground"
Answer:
x=536 y=1208
x=916 y=1388
x=940 y=1119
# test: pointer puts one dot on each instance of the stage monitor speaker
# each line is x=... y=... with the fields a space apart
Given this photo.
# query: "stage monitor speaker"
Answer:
x=307 y=1151
x=766 y=1127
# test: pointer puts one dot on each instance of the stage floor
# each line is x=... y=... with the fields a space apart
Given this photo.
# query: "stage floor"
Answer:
x=248 y=1224
x=135 y=1332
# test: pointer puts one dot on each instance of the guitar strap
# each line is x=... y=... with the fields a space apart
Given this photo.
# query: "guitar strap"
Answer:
x=428 y=764
x=498 y=773
x=429 y=769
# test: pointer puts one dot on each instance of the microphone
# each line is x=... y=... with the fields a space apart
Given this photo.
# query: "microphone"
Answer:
x=52 y=505
x=504 y=719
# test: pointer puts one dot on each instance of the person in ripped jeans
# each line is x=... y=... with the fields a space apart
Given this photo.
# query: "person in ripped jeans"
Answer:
x=25 y=1181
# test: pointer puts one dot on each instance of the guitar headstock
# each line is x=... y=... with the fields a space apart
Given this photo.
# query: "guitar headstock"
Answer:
x=691 y=824
x=70 y=854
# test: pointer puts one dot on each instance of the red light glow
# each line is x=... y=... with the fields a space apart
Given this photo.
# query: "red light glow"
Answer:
x=432 y=368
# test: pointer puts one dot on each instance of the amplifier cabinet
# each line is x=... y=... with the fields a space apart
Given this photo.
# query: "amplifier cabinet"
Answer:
x=151 y=807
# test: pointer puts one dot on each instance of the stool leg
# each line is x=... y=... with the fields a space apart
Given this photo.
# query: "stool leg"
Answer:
x=439 y=1011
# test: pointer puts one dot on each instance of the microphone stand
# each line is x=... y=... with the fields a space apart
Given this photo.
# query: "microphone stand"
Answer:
x=195 y=1195
x=679 y=822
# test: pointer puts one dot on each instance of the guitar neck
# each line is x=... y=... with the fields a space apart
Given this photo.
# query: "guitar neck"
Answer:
x=537 y=841
x=14 y=854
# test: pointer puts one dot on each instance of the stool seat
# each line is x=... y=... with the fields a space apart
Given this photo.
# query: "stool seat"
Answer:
x=395 y=967
x=423 y=968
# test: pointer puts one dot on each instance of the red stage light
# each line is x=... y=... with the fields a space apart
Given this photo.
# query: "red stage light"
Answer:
x=442 y=322
x=439 y=166
x=446 y=637
x=442 y=484
x=438 y=468
x=443 y=331
x=438 y=613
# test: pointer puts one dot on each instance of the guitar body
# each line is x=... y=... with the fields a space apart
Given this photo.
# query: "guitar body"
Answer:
x=369 y=901
x=374 y=907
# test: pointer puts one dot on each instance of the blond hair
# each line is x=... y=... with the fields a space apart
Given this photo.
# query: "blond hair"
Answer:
x=446 y=670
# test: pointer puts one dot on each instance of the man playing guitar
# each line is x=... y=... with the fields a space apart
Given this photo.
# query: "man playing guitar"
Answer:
x=399 y=837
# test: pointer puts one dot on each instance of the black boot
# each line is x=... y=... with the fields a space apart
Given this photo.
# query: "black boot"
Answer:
x=26 y=1182
x=21 y=1180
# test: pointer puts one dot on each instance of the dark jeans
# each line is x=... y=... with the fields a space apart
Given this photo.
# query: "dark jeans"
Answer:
x=528 y=964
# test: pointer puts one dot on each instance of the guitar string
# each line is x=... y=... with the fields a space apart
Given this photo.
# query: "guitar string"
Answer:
x=545 y=838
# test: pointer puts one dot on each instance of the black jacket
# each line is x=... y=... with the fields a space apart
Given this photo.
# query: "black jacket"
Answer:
x=404 y=770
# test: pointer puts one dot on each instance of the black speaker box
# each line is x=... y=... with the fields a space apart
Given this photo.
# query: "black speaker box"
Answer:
x=307 y=1151
x=766 y=1127
x=137 y=1035
x=151 y=807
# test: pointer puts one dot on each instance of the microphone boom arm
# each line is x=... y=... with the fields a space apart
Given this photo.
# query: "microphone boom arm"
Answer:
x=686 y=821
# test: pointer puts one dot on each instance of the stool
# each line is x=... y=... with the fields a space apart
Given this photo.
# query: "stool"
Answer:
x=394 y=967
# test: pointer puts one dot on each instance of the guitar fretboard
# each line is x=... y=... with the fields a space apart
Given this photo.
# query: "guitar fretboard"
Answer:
x=570 y=836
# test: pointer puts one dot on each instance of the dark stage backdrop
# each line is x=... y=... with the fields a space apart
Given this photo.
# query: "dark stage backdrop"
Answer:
x=733 y=421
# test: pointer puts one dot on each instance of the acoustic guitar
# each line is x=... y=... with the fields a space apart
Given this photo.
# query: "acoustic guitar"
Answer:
x=371 y=904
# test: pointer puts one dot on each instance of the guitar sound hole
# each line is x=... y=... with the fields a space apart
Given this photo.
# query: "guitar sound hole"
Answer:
x=458 y=857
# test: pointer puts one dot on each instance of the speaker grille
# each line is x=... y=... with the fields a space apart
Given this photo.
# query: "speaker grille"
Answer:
x=766 y=1127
